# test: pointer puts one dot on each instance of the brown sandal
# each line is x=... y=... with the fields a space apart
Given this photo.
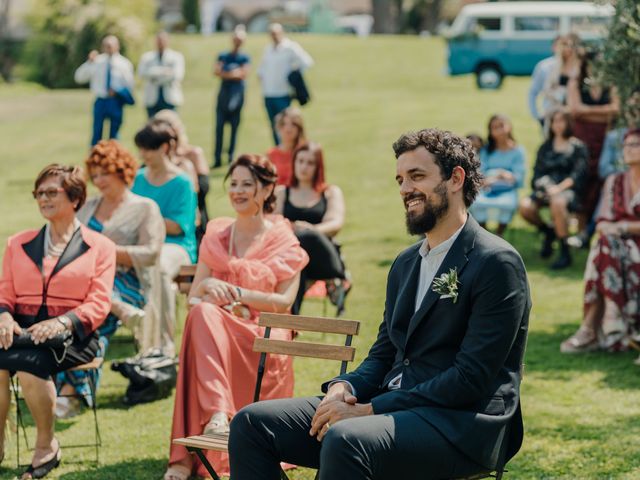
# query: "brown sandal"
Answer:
x=584 y=340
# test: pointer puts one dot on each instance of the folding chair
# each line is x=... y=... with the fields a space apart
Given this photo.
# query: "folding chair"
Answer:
x=219 y=442
x=92 y=369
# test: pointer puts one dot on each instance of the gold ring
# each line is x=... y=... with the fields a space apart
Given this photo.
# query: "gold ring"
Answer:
x=328 y=425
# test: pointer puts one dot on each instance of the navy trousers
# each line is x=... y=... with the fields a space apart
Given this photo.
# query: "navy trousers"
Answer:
x=396 y=445
x=274 y=106
x=106 y=108
x=222 y=118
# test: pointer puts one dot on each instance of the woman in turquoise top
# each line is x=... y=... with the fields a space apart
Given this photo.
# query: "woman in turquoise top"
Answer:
x=162 y=181
x=503 y=166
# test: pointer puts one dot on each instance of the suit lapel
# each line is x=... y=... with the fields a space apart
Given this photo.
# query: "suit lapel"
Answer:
x=405 y=303
x=456 y=259
x=73 y=250
x=35 y=248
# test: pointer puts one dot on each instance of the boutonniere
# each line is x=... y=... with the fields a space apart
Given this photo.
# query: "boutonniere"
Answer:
x=447 y=285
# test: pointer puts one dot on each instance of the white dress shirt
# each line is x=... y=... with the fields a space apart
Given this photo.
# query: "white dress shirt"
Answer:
x=166 y=73
x=278 y=61
x=429 y=265
x=96 y=74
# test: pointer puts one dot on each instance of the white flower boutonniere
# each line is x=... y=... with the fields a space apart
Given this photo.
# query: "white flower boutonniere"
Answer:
x=447 y=285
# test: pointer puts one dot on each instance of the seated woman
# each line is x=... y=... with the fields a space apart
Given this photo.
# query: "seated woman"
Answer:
x=247 y=265
x=135 y=225
x=290 y=127
x=612 y=276
x=503 y=166
x=193 y=154
x=55 y=281
x=317 y=213
x=557 y=183
x=164 y=183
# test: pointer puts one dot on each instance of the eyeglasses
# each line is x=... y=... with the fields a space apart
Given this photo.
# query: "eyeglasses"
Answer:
x=49 y=193
x=631 y=145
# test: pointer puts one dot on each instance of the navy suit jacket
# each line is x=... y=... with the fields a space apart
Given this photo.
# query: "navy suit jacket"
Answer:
x=461 y=362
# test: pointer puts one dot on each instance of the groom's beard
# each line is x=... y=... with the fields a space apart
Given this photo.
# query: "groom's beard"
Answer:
x=419 y=223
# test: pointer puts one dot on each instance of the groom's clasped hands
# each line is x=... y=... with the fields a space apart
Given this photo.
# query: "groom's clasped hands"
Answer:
x=338 y=404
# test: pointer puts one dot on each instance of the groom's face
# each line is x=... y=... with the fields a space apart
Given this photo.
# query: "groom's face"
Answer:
x=423 y=190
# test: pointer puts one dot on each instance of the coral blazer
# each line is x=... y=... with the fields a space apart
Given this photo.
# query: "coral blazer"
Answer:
x=78 y=286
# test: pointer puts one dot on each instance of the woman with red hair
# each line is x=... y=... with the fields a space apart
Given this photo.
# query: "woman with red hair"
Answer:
x=317 y=211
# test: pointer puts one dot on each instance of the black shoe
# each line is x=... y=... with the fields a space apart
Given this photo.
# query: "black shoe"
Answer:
x=563 y=261
x=44 y=469
x=547 y=244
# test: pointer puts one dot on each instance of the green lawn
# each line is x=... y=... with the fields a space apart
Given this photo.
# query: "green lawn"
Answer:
x=582 y=413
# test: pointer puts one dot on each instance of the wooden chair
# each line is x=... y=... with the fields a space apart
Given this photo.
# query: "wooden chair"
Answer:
x=92 y=369
x=343 y=353
x=185 y=278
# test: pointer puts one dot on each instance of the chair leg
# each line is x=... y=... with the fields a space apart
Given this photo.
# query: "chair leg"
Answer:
x=94 y=400
x=19 y=422
x=205 y=462
x=499 y=474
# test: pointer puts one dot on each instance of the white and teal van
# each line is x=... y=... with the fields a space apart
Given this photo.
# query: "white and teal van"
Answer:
x=497 y=39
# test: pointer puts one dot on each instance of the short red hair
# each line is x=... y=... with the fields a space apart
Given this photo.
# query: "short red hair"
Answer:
x=318 y=181
x=112 y=157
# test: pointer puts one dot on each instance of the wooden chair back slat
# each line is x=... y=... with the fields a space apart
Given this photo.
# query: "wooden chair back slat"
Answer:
x=304 y=349
x=185 y=278
x=309 y=324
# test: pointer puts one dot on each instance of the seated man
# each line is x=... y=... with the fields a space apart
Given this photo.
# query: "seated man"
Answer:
x=438 y=394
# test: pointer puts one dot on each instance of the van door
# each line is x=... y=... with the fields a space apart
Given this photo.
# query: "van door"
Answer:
x=532 y=36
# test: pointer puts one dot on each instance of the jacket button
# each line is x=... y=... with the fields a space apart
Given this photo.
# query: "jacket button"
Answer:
x=406 y=362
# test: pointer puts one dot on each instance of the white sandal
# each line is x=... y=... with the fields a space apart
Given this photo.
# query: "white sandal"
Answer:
x=219 y=424
x=177 y=472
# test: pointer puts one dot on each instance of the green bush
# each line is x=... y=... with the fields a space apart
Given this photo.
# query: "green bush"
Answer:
x=191 y=12
x=620 y=61
x=65 y=31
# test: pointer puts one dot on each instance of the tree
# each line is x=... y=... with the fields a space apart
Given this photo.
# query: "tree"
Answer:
x=387 y=15
x=191 y=12
x=620 y=63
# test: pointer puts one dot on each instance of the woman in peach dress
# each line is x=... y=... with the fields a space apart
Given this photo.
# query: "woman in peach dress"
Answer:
x=247 y=265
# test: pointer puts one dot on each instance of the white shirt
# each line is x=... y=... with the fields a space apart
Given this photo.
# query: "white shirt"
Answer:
x=539 y=77
x=278 y=61
x=96 y=73
x=167 y=74
x=429 y=265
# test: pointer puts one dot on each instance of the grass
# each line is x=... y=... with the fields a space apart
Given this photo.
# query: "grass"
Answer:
x=582 y=413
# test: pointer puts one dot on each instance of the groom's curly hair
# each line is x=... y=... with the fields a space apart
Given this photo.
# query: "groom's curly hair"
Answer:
x=450 y=151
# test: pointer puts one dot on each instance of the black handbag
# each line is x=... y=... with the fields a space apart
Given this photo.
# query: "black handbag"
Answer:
x=60 y=341
x=151 y=377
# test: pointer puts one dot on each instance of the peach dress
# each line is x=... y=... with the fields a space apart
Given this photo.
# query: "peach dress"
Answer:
x=217 y=365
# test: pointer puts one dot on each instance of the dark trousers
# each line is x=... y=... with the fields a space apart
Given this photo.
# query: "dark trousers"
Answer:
x=274 y=106
x=397 y=445
x=222 y=118
x=161 y=105
x=106 y=108
x=324 y=262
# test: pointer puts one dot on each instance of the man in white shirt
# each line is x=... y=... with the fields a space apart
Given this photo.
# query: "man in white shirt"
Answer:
x=110 y=76
x=538 y=81
x=162 y=71
x=280 y=58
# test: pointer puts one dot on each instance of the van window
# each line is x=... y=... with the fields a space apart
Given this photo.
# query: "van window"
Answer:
x=491 y=24
x=595 y=25
x=537 y=24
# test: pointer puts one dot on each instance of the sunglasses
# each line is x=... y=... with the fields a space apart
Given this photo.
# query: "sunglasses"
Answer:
x=631 y=145
x=49 y=193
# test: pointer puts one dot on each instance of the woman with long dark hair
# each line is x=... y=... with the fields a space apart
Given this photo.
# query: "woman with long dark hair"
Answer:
x=317 y=212
x=557 y=183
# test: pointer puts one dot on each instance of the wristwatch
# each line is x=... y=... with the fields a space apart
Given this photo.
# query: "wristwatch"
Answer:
x=65 y=321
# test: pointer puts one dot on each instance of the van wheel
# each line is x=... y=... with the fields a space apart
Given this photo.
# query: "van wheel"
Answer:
x=489 y=76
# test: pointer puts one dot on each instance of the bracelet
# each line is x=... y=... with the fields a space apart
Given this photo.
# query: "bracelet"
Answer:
x=625 y=227
x=64 y=321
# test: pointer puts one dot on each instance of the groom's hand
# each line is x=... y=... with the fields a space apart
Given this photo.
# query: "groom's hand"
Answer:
x=330 y=413
x=338 y=404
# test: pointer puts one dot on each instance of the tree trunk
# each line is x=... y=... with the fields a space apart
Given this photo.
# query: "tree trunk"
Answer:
x=386 y=15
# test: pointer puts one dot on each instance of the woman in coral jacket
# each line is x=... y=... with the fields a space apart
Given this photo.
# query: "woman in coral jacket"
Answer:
x=54 y=280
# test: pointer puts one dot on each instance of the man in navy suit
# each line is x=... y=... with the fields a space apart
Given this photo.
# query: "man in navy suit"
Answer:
x=438 y=395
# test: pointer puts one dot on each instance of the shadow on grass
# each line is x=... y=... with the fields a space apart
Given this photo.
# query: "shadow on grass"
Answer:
x=138 y=469
x=543 y=356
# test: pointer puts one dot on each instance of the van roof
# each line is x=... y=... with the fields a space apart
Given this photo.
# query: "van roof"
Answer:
x=542 y=8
